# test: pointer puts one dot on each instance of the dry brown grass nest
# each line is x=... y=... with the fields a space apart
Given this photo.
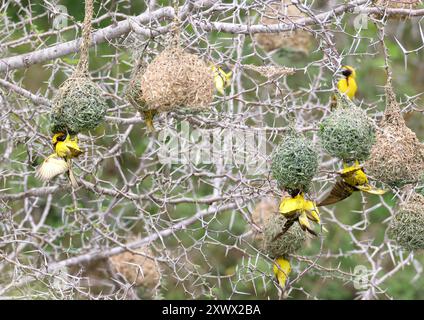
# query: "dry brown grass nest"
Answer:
x=288 y=243
x=264 y=210
x=139 y=270
x=397 y=157
x=174 y=80
x=407 y=226
x=298 y=40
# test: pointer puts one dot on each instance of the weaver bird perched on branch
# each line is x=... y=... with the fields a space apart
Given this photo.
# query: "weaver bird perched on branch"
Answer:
x=61 y=160
x=346 y=85
x=297 y=208
x=281 y=270
x=221 y=78
x=352 y=178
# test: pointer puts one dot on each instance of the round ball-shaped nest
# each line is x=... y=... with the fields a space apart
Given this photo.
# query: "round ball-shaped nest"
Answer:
x=407 y=226
x=297 y=40
x=175 y=80
x=137 y=269
x=348 y=133
x=294 y=163
x=397 y=158
x=78 y=106
x=288 y=243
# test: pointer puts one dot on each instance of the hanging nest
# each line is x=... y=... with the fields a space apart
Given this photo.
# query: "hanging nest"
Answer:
x=397 y=157
x=264 y=210
x=175 y=79
x=137 y=269
x=298 y=40
x=348 y=133
x=78 y=106
x=294 y=163
x=288 y=243
x=396 y=4
x=407 y=226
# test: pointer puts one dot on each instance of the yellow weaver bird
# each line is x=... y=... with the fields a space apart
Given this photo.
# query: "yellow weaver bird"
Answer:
x=299 y=209
x=281 y=270
x=61 y=160
x=221 y=78
x=346 y=85
x=352 y=178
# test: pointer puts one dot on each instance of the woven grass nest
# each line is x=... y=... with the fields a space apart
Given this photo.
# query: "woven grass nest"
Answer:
x=78 y=106
x=264 y=210
x=407 y=226
x=294 y=163
x=397 y=157
x=137 y=269
x=288 y=243
x=174 y=80
x=284 y=12
x=347 y=133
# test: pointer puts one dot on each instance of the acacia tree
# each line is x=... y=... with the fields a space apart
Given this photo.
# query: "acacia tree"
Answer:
x=171 y=214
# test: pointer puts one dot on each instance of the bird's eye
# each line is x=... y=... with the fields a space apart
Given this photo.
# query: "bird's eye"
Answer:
x=61 y=138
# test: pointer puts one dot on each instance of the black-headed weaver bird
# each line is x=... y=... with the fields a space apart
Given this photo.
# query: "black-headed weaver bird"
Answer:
x=295 y=208
x=346 y=85
x=221 y=78
x=352 y=178
x=282 y=269
x=65 y=148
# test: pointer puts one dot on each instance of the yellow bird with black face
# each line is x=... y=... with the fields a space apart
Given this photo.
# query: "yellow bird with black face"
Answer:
x=346 y=85
x=60 y=161
x=352 y=178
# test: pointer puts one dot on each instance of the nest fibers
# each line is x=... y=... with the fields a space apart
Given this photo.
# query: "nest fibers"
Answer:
x=264 y=210
x=298 y=40
x=139 y=270
x=407 y=226
x=348 y=133
x=175 y=79
x=294 y=163
x=397 y=157
x=288 y=243
x=78 y=106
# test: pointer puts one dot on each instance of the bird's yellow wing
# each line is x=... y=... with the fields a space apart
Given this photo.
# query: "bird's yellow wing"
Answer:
x=370 y=189
x=312 y=211
x=72 y=145
x=289 y=206
x=340 y=191
x=51 y=167
x=281 y=270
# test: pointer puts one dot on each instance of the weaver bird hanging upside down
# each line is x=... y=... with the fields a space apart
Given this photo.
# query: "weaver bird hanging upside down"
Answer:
x=299 y=209
x=352 y=178
x=346 y=85
x=221 y=78
x=148 y=118
x=61 y=160
x=281 y=270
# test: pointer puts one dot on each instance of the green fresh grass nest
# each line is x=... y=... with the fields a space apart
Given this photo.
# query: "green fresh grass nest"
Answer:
x=78 y=106
x=294 y=163
x=288 y=243
x=348 y=133
x=407 y=226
